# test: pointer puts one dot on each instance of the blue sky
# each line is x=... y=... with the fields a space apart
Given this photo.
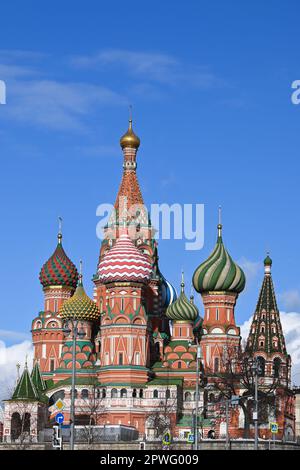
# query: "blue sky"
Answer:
x=210 y=85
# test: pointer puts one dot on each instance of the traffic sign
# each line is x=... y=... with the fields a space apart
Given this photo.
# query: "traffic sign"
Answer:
x=59 y=404
x=167 y=438
x=274 y=428
x=190 y=438
x=59 y=418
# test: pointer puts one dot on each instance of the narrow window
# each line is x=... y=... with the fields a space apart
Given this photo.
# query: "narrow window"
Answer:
x=52 y=364
x=217 y=314
x=120 y=359
x=228 y=314
x=122 y=303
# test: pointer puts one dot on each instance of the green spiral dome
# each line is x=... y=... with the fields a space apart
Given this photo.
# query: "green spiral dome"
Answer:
x=219 y=272
x=182 y=309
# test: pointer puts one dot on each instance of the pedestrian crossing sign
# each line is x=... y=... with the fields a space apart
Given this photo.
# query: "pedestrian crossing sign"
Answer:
x=274 y=428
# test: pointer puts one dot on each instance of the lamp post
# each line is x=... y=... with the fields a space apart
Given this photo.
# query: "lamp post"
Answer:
x=198 y=361
x=255 y=370
x=71 y=326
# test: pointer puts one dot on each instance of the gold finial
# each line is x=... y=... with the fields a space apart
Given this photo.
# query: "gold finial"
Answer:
x=220 y=223
x=130 y=139
x=59 y=236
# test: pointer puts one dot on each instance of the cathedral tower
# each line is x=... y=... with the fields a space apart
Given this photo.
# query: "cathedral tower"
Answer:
x=58 y=277
x=219 y=280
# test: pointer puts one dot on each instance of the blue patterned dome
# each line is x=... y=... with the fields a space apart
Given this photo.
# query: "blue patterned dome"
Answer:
x=168 y=292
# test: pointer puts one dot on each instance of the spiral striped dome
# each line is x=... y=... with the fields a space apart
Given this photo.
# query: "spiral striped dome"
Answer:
x=182 y=309
x=168 y=292
x=219 y=272
x=59 y=269
x=80 y=306
x=124 y=262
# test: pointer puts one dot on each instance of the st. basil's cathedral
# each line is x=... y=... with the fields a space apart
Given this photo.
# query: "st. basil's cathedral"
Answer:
x=136 y=361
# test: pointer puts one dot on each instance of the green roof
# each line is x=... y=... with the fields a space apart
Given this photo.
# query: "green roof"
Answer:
x=166 y=381
x=25 y=389
x=37 y=378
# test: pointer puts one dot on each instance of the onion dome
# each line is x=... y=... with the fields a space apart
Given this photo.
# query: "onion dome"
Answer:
x=80 y=306
x=168 y=292
x=268 y=261
x=124 y=262
x=59 y=269
x=219 y=272
x=130 y=139
x=182 y=309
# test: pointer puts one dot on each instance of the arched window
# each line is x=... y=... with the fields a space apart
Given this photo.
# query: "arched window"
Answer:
x=187 y=396
x=134 y=393
x=123 y=393
x=114 y=393
x=276 y=367
x=168 y=394
x=179 y=365
x=16 y=426
x=84 y=393
x=98 y=393
x=103 y=393
x=262 y=330
x=155 y=393
x=75 y=393
x=141 y=393
x=216 y=364
x=261 y=366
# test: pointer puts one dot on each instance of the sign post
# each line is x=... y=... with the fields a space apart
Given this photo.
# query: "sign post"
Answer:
x=274 y=431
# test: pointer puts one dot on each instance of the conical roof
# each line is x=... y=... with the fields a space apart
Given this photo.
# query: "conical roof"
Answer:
x=266 y=330
x=25 y=389
x=37 y=378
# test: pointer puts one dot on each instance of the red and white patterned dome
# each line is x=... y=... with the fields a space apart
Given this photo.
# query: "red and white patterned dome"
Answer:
x=124 y=262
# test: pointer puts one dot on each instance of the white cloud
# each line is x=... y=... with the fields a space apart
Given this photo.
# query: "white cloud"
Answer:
x=291 y=330
x=251 y=268
x=9 y=357
x=290 y=299
x=57 y=105
x=155 y=67
x=13 y=336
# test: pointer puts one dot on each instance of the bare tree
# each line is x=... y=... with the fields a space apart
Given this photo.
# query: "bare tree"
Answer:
x=235 y=377
x=91 y=412
x=163 y=417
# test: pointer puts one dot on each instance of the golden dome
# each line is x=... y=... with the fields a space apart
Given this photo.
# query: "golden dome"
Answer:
x=130 y=139
x=80 y=306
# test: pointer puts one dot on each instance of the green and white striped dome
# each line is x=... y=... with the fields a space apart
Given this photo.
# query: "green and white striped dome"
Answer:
x=182 y=309
x=219 y=272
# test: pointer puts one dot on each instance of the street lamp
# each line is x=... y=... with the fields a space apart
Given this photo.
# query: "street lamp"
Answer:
x=71 y=327
x=198 y=362
x=256 y=369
